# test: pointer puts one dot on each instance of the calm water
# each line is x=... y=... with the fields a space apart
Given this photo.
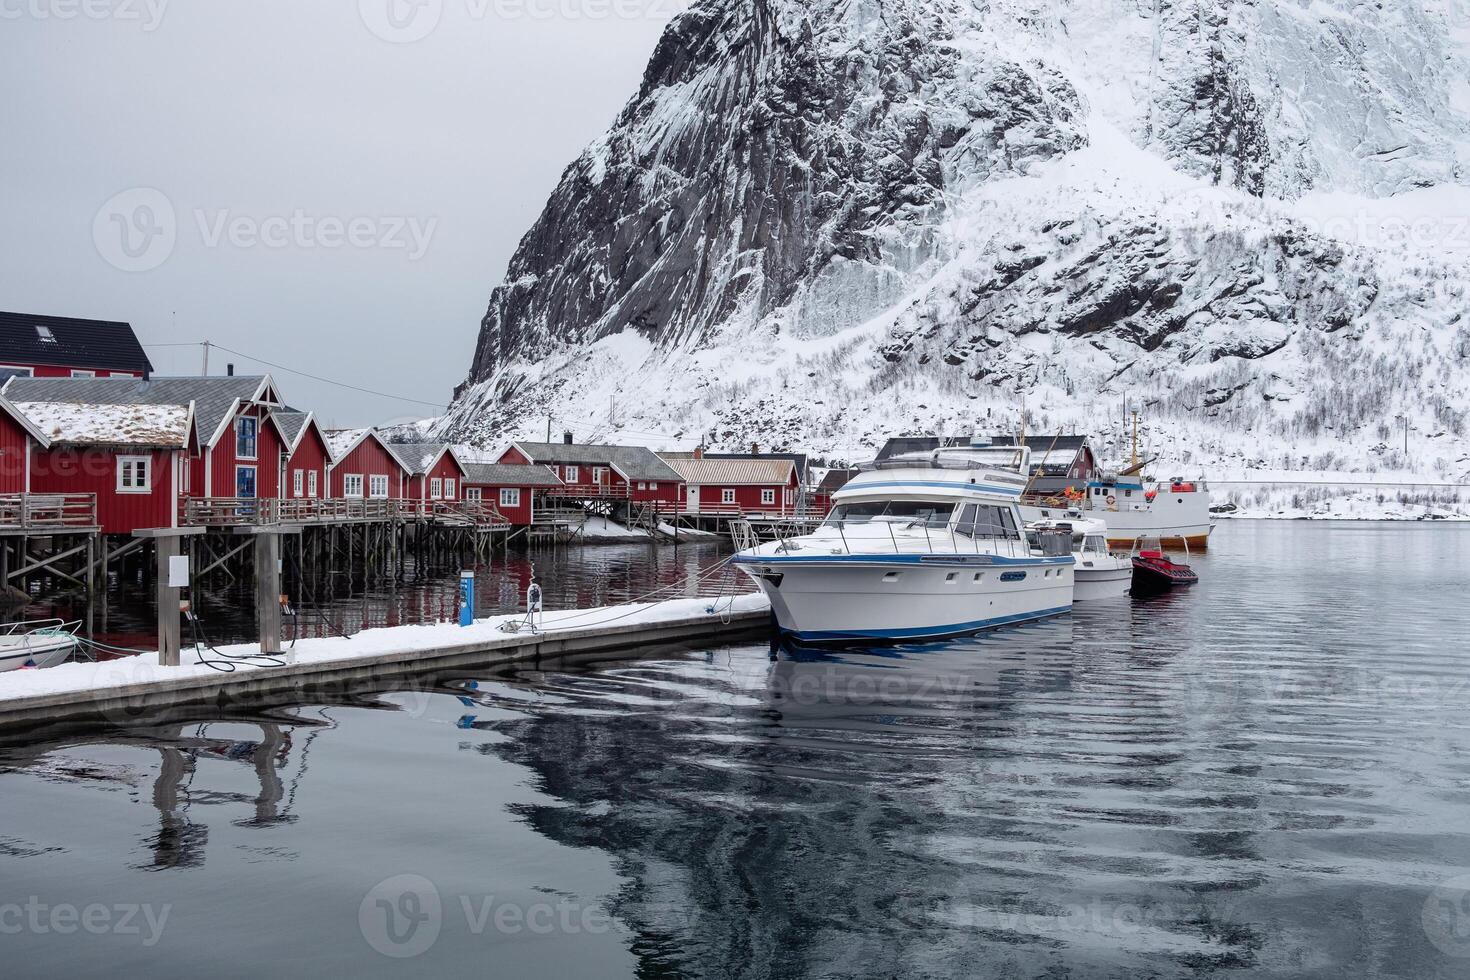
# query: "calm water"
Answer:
x=1265 y=776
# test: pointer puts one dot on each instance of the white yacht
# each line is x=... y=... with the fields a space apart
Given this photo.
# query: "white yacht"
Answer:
x=916 y=547
x=1099 y=574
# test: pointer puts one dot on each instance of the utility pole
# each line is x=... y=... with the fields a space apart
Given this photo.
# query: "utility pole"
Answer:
x=204 y=371
x=548 y=430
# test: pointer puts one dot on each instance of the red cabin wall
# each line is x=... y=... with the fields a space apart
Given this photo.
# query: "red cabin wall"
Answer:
x=81 y=470
x=490 y=494
x=56 y=371
x=712 y=496
x=310 y=455
x=15 y=447
x=368 y=459
x=514 y=457
x=267 y=462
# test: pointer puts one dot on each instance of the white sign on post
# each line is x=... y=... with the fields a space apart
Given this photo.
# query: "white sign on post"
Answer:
x=178 y=571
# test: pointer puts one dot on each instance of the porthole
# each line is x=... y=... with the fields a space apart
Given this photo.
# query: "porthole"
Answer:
x=951 y=576
x=979 y=576
x=891 y=577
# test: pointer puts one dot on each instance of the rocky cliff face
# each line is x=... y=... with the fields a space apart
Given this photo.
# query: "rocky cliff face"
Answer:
x=826 y=221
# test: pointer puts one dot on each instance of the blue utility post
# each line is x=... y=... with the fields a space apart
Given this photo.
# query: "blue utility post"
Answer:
x=466 y=598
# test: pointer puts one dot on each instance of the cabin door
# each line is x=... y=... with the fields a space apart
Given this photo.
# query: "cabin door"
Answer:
x=693 y=503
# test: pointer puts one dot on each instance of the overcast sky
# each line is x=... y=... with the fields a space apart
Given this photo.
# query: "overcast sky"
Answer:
x=332 y=186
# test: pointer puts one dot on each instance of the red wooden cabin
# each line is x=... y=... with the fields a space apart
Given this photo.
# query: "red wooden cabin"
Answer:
x=510 y=489
x=132 y=458
x=64 y=347
x=364 y=467
x=18 y=439
x=306 y=459
x=435 y=473
x=732 y=485
x=628 y=472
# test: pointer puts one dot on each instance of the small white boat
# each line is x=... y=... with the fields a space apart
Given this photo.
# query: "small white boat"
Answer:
x=917 y=547
x=1099 y=574
x=37 y=643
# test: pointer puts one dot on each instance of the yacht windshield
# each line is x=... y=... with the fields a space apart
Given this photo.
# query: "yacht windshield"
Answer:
x=988 y=521
x=925 y=513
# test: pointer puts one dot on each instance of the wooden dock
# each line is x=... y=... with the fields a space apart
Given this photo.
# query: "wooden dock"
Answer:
x=135 y=688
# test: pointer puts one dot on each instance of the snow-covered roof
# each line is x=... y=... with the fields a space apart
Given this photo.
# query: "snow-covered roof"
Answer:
x=215 y=399
x=143 y=426
x=735 y=472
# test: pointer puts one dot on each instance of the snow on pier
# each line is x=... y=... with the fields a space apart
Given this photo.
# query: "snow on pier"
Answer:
x=118 y=689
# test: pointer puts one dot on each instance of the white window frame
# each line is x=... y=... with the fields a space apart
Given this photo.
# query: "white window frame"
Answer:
x=375 y=481
x=510 y=496
x=348 y=481
x=599 y=474
x=653 y=486
x=255 y=440
x=643 y=485
x=298 y=482
x=474 y=495
x=572 y=474
x=768 y=497
x=311 y=487
x=436 y=489
x=133 y=465
x=449 y=488
x=78 y=373
x=727 y=495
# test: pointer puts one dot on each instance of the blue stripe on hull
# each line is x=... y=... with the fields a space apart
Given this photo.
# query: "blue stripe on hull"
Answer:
x=925 y=632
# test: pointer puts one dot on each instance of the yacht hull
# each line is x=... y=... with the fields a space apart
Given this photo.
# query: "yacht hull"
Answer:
x=1094 y=583
x=904 y=598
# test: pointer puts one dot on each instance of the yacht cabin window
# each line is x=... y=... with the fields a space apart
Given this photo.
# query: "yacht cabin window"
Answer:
x=923 y=513
x=987 y=521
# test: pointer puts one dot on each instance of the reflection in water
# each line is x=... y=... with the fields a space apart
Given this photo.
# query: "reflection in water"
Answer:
x=1263 y=776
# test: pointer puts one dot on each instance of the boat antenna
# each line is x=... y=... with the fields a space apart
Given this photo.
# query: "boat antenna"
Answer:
x=1133 y=462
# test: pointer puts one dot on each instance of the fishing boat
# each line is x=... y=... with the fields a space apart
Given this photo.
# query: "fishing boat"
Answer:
x=1154 y=572
x=1099 y=573
x=37 y=643
x=1176 y=511
x=920 y=546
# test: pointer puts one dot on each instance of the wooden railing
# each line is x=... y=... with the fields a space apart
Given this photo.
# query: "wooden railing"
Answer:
x=238 y=511
x=48 y=511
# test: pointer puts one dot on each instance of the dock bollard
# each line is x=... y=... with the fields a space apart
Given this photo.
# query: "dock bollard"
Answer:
x=466 y=598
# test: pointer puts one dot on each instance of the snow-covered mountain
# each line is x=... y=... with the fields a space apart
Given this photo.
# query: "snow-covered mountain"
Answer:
x=822 y=222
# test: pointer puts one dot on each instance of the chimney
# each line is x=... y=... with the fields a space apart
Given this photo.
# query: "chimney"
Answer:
x=230 y=370
x=566 y=437
x=147 y=370
x=699 y=452
x=755 y=449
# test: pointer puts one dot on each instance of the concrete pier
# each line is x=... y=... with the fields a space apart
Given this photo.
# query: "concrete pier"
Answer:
x=119 y=691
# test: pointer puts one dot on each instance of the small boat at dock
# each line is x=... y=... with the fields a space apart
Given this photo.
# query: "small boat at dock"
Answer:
x=37 y=643
x=1099 y=573
x=1154 y=572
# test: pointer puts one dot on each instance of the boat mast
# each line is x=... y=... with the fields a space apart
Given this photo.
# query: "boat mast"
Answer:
x=1133 y=462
